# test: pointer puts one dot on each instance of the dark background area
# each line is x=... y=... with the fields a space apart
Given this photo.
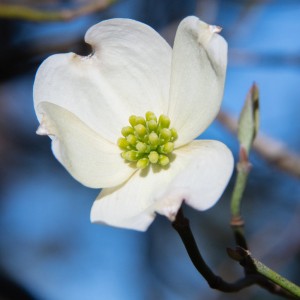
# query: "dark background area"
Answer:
x=48 y=248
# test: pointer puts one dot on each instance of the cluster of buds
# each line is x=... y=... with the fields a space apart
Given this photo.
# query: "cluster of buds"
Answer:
x=148 y=140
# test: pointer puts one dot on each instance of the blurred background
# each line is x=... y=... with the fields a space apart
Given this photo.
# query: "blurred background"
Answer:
x=48 y=248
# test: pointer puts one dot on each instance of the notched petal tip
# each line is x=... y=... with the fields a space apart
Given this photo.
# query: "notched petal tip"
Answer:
x=170 y=213
x=43 y=129
x=199 y=67
x=215 y=28
x=201 y=30
x=86 y=57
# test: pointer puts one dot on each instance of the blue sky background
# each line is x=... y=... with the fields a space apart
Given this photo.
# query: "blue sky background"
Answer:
x=47 y=243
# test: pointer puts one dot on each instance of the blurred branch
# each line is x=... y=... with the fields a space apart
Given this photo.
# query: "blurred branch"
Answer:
x=270 y=149
x=34 y=51
x=11 y=11
x=243 y=57
x=286 y=242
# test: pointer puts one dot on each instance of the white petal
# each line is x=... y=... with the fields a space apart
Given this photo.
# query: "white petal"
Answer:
x=128 y=73
x=130 y=205
x=197 y=80
x=89 y=158
x=198 y=175
x=208 y=168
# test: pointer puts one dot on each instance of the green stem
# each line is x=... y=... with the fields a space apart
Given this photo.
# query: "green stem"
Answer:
x=276 y=278
x=238 y=191
x=254 y=266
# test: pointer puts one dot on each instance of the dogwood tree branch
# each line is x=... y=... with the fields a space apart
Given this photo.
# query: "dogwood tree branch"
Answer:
x=12 y=11
x=182 y=226
x=252 y=275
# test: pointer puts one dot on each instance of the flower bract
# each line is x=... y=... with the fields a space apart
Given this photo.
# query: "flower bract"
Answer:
x=125 y=119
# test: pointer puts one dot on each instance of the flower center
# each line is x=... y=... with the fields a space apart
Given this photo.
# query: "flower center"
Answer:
x=148 y=140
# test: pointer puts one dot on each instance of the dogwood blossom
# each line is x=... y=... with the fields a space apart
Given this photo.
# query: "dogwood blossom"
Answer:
x=124 y=119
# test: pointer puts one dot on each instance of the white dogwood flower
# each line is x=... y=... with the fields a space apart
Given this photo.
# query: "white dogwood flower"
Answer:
x=124 y=119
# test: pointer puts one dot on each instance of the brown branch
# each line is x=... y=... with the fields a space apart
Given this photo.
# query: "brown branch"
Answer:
x=11 y=11
x=237 y=225
x=272 y=281
x=270 y=149
x=181 y=225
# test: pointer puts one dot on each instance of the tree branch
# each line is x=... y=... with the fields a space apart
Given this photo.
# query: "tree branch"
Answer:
x=11 y=11
x=181 y=225
x=254 y=266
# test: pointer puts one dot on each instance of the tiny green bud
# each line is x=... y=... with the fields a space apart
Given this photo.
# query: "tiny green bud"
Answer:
x=141 y=147
x=127 y=130
x=174 y=134
x=142 y=163
x=150 y=116
x=131 y=139
x=164 y=121
x=140 y=120
x=165 y=135
x=145 y=139
x=153 y=139
x=131 y=155
x=152 y=125
x=153 y=157
x=167 y=148
x=140 y=130
x=163 y=160
x=132 y=120
x=123 y=143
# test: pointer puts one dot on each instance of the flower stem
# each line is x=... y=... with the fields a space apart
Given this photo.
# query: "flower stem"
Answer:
x=237 y=222
x=276 y=278
x=243 y=169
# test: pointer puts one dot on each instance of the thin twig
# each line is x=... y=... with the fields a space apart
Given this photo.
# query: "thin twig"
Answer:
x=270 y=149
x=12 y=11
x=237 y=226
x=254 y=266
x=181 y=225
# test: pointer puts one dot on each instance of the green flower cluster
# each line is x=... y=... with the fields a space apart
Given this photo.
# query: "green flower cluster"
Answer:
x=148 y=140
